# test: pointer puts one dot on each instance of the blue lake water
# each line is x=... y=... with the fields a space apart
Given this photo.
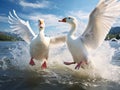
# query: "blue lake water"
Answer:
x=16 y=74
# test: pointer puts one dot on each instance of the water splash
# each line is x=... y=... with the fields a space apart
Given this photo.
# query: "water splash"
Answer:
x=20 y=55
x=103 y=59
x=3 y=64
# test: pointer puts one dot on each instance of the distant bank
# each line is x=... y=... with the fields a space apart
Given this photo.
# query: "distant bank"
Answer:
x=114 y=33
x=8 y=36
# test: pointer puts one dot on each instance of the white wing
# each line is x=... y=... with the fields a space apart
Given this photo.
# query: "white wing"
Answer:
x=58 y=39
x=20 y=27
x=100 y=21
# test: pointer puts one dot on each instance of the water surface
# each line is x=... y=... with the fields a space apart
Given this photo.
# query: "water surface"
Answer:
x=16 y=74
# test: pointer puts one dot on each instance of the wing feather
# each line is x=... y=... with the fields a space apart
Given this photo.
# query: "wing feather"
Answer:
x=100 y=21
x=20 y=27
x=58 y=39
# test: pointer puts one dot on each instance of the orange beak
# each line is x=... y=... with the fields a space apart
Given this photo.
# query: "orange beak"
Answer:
x=63 y=20
x=41 y=23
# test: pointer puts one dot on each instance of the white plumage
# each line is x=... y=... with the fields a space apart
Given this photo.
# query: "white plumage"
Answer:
x=100 y=21
x=39 y=44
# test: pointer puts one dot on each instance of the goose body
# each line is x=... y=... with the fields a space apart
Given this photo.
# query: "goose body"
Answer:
x=39 y=44
x=39 y=47
x=77 y=49
x=101 y=20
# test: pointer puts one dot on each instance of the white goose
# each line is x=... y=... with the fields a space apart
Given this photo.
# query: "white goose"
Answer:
x=100 y=21
x=39 y=44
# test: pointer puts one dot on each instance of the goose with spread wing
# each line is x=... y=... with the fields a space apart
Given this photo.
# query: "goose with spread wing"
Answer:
x=101 y=20
x=39 y=44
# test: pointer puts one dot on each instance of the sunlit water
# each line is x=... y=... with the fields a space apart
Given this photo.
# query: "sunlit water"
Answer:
x=17 y=74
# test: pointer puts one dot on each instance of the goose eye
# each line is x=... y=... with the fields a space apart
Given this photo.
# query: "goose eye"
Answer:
x=68 y=17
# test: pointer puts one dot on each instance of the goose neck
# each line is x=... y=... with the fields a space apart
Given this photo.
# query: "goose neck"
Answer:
x=73 y=29
x=41 y=33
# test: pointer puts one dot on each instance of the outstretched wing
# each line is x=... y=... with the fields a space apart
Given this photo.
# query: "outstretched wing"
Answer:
x=100 y=21
x=58 y=39
x=20 y=27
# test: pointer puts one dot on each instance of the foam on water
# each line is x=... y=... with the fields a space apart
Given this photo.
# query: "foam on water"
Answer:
x=102 y=59
x=20 y=56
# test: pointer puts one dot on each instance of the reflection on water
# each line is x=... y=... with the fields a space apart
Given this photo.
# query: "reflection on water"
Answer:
x=16 y=74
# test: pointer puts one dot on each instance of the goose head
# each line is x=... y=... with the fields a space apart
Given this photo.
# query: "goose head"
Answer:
x=41 y=24
x=70 y=20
